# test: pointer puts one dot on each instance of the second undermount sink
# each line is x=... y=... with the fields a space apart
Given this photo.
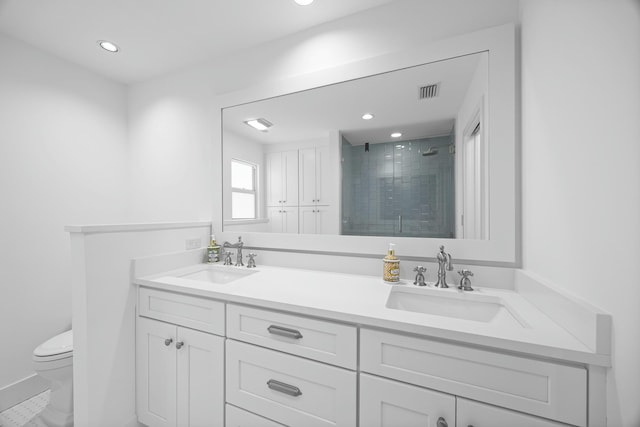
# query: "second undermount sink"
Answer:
x=220 y=275
x=451 y=303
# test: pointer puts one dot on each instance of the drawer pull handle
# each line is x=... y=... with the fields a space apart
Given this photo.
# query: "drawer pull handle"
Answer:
x=442 y=422
x=179 y=344
x=284 y=388
x=168 y=341
x=284 y=332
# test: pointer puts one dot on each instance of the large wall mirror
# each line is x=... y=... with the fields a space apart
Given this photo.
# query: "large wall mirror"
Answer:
x=422 y=151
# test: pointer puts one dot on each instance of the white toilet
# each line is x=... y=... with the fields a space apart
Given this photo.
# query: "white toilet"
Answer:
x=53 y=361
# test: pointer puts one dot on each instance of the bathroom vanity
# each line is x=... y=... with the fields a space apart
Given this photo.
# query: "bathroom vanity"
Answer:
x=271 y=346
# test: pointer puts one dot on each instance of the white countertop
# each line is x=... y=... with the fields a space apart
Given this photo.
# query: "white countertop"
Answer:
x=361 y=300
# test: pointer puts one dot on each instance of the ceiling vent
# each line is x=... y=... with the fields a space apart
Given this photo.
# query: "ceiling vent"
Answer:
x=429 y=91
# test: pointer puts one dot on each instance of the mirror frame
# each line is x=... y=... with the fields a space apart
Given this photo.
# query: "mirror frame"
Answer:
x=503 y=246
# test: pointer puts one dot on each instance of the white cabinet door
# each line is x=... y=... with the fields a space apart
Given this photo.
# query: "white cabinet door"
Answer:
x=317 y=220
x=290 y=219
x=274 y=214
x=283 y=219
x=200 y=381
x=282 y=178
x=475 y=414
x=387 y=403
x=179 y=376
x=307 y=176
x=308 y=220
x=273 y=179
x=311 y=166
x=326 y=220
x=156 y=373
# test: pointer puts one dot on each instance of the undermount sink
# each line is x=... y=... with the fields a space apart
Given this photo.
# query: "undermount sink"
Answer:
x=451 y=303
x=220 y=275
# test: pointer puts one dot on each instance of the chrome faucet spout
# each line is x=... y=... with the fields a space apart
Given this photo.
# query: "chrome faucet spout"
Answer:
x=444 y=265
x=238 y=245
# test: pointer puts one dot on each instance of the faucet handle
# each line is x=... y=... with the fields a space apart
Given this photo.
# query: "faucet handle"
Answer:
x=419 y=280
x=251 y=262
x=465 y=282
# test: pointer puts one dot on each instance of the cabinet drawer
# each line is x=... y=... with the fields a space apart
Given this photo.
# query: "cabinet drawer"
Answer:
x=289 y=389
x=477 y=414
x=327 y=342
x=387 y=403
x=193 y=312
x=236 y=417
x=550 y=390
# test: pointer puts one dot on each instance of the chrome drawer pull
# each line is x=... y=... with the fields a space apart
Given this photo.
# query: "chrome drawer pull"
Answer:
x=284 y=388
x=284 y=332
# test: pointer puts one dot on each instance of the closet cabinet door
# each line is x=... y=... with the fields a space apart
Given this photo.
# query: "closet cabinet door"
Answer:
x=308 y=220
x=282 y=178
x=156 y=373
x=274 y=175
x=200 y=361
x=312 y=162
x=388 y=403
x=283 y=219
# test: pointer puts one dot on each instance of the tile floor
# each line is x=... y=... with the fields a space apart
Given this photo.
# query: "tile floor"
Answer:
x=22 y=415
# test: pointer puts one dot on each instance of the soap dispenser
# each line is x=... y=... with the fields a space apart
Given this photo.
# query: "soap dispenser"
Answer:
x=391 y=270
x=213 y=251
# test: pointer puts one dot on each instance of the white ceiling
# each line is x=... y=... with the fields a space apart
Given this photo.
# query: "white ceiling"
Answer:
x=391 y=97
x=160 y=36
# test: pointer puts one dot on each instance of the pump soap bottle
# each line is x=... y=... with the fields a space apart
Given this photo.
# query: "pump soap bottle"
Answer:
x=213 y=251
x=391 y=271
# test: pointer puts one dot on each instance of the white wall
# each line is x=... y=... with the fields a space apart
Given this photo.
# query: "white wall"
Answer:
x=63 y=159
x=581 y=151
x=172 y=118
x=104 y=315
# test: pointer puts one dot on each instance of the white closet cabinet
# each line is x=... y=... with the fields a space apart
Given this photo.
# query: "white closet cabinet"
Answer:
x=282 y=178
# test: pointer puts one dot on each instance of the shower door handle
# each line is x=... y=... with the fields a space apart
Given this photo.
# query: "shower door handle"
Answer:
x=399 y=223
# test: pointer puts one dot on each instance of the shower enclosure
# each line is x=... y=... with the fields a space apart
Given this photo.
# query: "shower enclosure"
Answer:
x=399 y=188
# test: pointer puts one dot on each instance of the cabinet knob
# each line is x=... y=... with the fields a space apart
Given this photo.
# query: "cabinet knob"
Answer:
x=442 y=422
x=179 y=344
x=168 y=341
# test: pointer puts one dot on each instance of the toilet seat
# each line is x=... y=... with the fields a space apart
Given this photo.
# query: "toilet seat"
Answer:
x=56 y=348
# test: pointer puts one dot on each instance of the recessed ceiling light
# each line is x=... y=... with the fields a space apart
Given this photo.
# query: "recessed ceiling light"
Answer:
x=304 y=2
x=367 y=116
x=107 y=45
x=396 y=135
x=260 y=124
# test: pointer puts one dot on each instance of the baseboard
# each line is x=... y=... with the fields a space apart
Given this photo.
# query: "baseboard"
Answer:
x=21 y=390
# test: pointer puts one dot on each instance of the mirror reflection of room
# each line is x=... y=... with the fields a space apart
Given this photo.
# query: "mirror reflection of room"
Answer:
x=395 y=154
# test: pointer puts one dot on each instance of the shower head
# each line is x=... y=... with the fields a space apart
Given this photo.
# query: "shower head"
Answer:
x=431 y=151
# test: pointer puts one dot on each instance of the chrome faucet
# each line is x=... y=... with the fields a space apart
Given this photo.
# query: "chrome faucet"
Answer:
x=238 y=245
x=444 y=265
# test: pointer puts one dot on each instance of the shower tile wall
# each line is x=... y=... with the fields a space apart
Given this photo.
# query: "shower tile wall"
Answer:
x=394 y=183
